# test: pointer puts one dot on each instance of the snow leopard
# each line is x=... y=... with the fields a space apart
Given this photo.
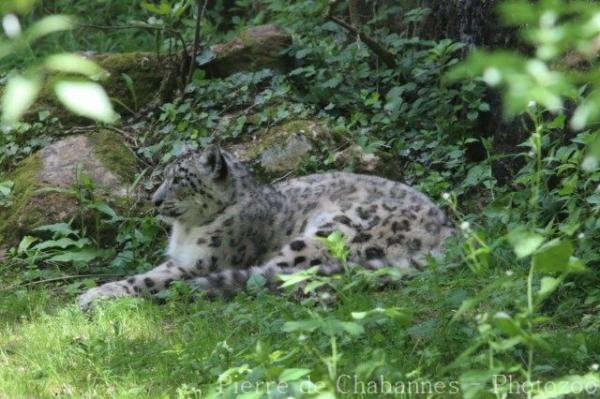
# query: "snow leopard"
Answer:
x=227 y=227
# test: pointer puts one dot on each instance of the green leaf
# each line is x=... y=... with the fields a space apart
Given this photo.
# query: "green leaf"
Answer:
x=332 y=327
x=298 y=277
x=86 y=99
x=63 y=229
x=205 y=57
x=524 y=242
x=553 y=256
x=105 y=209
x=73 y=63
x=382 y=313
x=48 y=25
x=62 y=243
x=332 y=83
x=19 y=94
x=587 y=112
x=504 y=322
x=575 y=265
x=353 y=328
x=472 y=115
x=465 y=306
x=25 y=244
x=304 y=325
x=6 y=187
x=293 y=374
x=162 y=9
x=336 y=245
x=21 y=6
x=547 y=286
x=82 y=256
x=256 y=282
x=313 y=285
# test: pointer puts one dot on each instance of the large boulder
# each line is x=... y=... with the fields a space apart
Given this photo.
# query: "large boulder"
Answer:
x=140 y=79
x=302 y=144
x=280 y=149
x=102 y=156
x=254 y=49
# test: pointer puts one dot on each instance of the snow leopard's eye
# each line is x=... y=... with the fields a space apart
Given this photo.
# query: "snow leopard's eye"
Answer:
x=169 y=171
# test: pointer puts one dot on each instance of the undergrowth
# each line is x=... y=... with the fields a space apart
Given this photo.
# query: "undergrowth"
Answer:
x=511 y=310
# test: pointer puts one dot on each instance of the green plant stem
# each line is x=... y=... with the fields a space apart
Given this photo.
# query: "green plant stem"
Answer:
x=535 y=197
x=530 y=327
x=333 y=364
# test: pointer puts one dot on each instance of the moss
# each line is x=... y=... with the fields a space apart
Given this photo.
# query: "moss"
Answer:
x=254 y=49
x=283 y=147
x=31 y=208
x=25 y=179
x=144 y=69
x=279 y=135
x=114 y=155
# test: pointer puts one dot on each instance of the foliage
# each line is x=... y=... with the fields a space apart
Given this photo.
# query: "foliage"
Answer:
x=512 y=306
x=83 y=97
x=5 y=191
x=547 y=216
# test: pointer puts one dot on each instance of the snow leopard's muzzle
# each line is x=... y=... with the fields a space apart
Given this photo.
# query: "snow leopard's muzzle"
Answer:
x=164 y=205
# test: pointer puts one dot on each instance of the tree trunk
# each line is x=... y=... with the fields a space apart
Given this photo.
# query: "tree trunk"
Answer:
x=474 y=22
x=477 y=23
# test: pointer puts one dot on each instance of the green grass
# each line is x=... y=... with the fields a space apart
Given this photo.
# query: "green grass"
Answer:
x=139 y=348
x=180 y=348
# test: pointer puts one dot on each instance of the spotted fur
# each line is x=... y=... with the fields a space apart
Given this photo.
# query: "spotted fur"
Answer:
x=225 y=227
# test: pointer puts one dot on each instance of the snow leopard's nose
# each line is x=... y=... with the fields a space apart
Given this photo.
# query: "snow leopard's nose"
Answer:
x=158 y=198
x=157 y=201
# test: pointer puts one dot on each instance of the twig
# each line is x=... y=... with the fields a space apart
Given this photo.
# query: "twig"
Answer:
x=280 y=178
x=62 y=278
x=199 y=18
x=133 y=143
x=80 y=129
x=371 y=43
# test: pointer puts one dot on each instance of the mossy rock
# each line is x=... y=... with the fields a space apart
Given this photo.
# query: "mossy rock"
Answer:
x=144 y=69
x=101 y=155
x=254 y=49
x=280 y=149
x=146 y=73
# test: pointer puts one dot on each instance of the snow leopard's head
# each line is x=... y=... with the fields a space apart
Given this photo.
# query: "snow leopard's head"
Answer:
x=199 y=185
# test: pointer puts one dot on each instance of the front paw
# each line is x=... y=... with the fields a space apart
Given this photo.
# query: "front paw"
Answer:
x=109 y=290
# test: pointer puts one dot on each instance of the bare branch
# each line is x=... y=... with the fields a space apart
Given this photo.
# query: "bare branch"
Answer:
x=371 y=43
x=199 y=18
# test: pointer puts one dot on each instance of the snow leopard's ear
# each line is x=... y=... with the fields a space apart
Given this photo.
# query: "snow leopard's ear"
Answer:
x=216 y=162
x=188 y=148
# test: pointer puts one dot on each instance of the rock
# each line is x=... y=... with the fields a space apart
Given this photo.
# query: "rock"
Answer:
x=136 y=79
x=254 y=49
x=281 y=149
x=358 y=158
x=102 y=156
